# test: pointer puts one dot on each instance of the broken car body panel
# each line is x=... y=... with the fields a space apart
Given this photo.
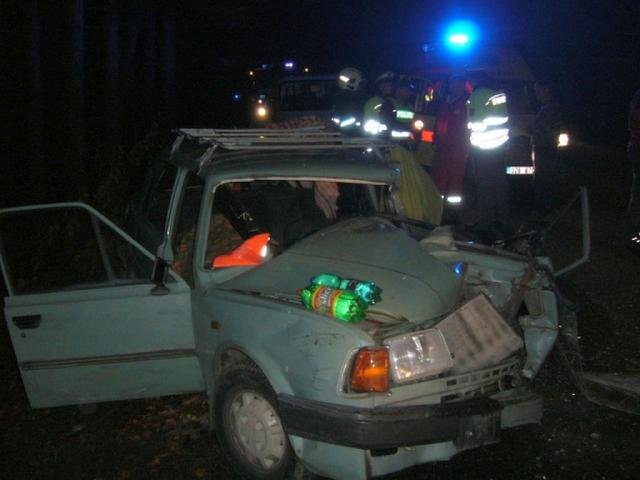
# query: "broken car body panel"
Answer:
x=123 y=337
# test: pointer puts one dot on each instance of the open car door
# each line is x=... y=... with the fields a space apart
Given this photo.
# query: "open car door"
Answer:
x=84 y=324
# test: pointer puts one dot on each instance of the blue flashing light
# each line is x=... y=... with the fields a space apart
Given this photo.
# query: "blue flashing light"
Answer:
x=236 y=97
x=460 y=35
x=459 y=268
x=459 y=39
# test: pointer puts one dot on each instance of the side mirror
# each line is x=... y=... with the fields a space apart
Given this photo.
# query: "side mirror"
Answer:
x=159 y=277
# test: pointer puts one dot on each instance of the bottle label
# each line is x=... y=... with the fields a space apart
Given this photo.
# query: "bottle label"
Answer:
x=324 y=298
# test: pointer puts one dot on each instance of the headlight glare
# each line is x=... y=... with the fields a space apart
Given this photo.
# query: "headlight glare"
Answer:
x=563 y=140
x=418 y=355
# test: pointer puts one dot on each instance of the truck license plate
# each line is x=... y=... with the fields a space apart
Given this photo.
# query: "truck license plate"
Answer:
x=521 y=170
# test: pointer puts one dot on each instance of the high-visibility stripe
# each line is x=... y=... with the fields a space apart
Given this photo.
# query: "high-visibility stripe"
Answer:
x=494 y=121
x=498 y=99
x=374 y=127
x=400 y=134
x=490 y=139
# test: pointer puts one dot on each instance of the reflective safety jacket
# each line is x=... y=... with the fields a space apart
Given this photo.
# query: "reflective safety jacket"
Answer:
x=371 y=118
x=379 y=113
x=347 y=112
x=488 y=119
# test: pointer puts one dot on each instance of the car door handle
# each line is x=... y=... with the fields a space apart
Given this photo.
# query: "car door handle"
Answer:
x=25 y=322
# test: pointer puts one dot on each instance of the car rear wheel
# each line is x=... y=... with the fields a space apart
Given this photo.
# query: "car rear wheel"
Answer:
x=249 y=427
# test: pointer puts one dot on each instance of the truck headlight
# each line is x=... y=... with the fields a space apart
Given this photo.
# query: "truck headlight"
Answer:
x=418 y=355
x=262 y=112
x=563 y=140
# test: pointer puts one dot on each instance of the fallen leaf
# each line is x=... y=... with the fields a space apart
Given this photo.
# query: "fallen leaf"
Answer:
x=200 y=472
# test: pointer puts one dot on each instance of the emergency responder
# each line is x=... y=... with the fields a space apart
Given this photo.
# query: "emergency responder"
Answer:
x=397 y=112
x=424 y=124
x=405 y=96
x=451 y=141
x=347 y=110
x=488 y=139
x=546 y=128
x=632 y=228
x=385 y=88
x=419 y=196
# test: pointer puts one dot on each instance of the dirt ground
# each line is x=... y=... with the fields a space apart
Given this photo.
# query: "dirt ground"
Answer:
x=168 y=438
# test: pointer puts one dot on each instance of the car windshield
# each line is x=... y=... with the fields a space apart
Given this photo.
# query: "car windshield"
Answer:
x=307 y=95
x=287 y=210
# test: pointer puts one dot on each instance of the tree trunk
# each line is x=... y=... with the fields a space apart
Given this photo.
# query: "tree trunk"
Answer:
x=150 y=61
x=134 y=122
x=169 y=64
x=35 y=107
x=75 y=165
x=112 y=106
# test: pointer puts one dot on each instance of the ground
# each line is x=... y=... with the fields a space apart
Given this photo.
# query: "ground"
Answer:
x=168 y=438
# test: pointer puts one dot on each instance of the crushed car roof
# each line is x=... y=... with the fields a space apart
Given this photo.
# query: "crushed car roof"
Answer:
x=341 y=158
x=301 y=164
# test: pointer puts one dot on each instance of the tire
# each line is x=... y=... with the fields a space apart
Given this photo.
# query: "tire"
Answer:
x=248 y=425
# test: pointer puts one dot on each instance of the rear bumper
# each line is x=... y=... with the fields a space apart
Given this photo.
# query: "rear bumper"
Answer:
x=468 y=423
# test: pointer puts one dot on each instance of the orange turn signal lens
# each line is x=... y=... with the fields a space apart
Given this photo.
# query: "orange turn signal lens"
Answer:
x=371 y=370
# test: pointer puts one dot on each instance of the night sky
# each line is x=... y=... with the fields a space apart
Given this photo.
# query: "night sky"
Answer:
x=86 y=78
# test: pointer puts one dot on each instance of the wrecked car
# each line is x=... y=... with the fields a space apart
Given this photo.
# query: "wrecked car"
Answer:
x=181 y=304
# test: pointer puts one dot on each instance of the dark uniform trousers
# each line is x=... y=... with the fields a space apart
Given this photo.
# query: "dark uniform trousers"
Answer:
x=632 y=228
x=544 y=193
x=492 y=189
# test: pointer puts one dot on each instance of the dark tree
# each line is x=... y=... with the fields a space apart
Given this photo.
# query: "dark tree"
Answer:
x=75 y=164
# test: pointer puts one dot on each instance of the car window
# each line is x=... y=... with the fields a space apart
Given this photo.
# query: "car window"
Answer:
x=307 y=95
x=185 y=233
x=158 y=201
x=67 y=248
x=286 y=210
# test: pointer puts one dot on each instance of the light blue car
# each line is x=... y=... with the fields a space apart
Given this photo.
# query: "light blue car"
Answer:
x=206 y=298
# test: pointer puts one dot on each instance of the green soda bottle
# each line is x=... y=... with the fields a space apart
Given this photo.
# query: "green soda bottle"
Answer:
x=326 y=280
x=369 y=292
x=341 y=304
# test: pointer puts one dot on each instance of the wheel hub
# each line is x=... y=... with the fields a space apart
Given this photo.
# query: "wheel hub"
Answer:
x=257 y=429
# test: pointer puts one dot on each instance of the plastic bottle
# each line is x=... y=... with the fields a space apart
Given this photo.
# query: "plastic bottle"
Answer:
x=341 y=304
x=326 y=280
x=369 y=292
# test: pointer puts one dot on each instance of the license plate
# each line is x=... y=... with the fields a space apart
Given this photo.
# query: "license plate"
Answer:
x=521 y=170
x=477 y=430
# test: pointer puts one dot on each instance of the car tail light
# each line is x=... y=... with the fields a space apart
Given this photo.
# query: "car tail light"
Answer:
x=427 y=136
x=371 y=370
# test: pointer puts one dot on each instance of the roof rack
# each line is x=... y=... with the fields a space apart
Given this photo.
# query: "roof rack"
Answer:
x=271 y=139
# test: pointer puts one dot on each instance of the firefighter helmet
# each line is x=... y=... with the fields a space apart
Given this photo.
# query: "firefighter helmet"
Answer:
x=349 y=79
x=386 y=77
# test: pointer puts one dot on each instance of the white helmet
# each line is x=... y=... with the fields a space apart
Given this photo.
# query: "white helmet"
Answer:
x=386 y=77
x=349 y=79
